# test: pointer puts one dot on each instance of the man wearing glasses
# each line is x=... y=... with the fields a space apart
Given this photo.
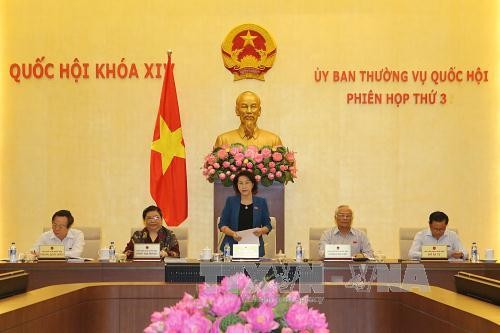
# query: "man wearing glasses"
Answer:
x=437 y=234
x=343 y=233
x=62 y=233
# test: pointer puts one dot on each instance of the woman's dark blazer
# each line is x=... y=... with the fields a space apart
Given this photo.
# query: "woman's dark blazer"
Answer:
x=230 y=218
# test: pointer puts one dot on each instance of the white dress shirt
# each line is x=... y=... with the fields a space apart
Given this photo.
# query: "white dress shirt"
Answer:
x=424 y=237
x=356 y=238
x=73 y=242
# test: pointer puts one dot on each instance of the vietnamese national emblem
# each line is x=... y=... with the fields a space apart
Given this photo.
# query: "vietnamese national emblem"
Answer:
x=248 y=52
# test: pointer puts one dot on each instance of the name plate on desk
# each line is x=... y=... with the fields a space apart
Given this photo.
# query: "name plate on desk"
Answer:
x=338 y=251
x=147 y=251
x=55 y=251
x=245 y=251
x=434 y=252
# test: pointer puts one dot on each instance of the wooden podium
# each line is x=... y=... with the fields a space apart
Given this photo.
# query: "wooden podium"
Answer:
x=275 y=196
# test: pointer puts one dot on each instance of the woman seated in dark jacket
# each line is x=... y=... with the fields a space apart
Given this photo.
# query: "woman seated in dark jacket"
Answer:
x=244 y=211
x=154 y=232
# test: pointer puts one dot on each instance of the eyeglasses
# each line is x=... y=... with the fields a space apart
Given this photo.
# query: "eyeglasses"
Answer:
x=59 y=226
x=153 y=218
x=344 y=216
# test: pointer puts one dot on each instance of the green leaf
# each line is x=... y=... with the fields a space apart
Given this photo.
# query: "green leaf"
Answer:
x=281 y=308
x=266 y=181
x=229 y=320
x=282 y=149
x=248 y=305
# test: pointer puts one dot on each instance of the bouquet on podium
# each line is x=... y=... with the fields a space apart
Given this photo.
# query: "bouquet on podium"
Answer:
x=268 y=164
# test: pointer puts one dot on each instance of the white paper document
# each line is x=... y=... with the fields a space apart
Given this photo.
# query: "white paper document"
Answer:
x=247 y=237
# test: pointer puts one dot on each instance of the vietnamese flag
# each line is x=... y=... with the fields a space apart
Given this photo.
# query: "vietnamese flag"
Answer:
x=168 y=183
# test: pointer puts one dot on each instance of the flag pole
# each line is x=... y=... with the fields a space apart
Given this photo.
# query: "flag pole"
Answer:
x=168 y=179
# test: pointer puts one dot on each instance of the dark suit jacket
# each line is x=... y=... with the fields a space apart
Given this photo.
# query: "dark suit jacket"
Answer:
x=230 y=218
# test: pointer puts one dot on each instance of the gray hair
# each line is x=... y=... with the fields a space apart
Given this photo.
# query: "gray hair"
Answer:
x=342 y=206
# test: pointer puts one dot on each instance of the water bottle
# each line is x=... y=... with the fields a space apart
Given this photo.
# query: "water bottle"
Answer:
x=112 y=252
x=13 y=252
x=473 y=253
x=298 y=252
x=227 y=252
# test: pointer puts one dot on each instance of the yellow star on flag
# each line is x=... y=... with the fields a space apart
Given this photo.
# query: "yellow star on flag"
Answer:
x=248 y=39
x=169 y=144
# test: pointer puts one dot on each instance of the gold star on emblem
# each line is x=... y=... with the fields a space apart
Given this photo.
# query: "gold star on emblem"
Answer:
x=169 y=144
x=248 y=38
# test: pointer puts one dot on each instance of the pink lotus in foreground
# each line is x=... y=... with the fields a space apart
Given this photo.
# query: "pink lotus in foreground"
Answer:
x=239 y=305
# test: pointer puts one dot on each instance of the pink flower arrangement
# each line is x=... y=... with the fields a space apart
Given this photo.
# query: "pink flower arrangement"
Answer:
x=269 y=164
x=239 y=305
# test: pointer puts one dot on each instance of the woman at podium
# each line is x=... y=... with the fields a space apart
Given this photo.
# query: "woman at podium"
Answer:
x=244 y=211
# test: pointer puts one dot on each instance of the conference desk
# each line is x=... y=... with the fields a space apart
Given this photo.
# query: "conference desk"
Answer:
x=49 y=273
x=127 y=306
x=437 y=273
x=42 y=274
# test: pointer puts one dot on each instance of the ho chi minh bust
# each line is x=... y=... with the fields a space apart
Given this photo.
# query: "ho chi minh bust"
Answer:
x=248 y=109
